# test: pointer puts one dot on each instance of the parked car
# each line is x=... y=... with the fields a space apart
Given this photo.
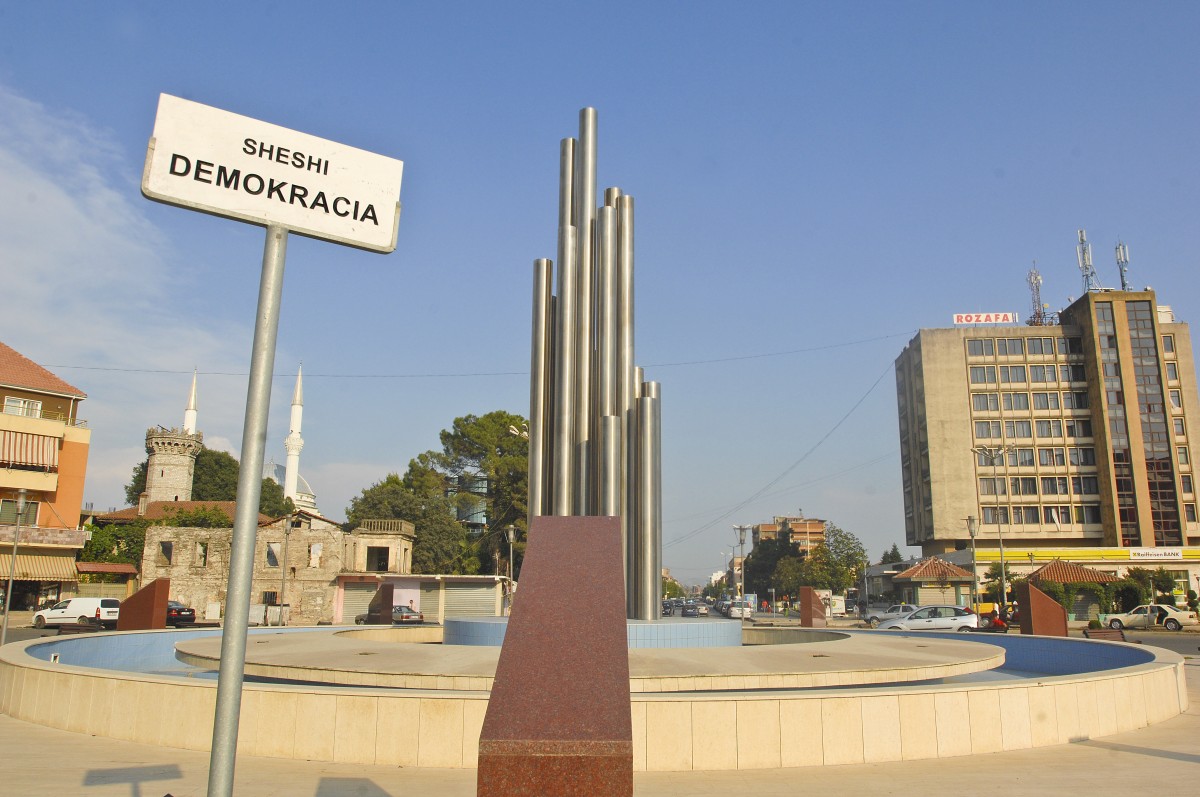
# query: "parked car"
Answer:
x=1171 y=618
x=690 y=610
x=702 y=609
x=741 y=609
x=668 y=608
x=178 y=614
x=875 y=617
x=406 y=615
x=934 y=618
x=101 y=611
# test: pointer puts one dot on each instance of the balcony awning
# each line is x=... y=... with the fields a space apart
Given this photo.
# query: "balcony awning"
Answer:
x=22 y=448
x=40 y=567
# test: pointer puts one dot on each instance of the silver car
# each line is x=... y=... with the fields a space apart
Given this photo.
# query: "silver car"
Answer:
x=934 y=618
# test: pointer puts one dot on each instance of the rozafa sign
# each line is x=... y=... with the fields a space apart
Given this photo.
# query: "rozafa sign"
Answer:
x=985 y=318
x=218 y=162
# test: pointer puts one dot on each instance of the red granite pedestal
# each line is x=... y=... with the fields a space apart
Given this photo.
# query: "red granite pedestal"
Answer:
x=146 y=609
x=1040 y=614
x=558 y=721
x=812 y=608
x=379 y=611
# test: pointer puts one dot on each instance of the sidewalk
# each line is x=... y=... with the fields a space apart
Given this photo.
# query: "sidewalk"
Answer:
x=1162 y=757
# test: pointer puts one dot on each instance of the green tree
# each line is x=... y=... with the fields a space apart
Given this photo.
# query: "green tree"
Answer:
x=672 y=588
x=788 y=576
x=1164 y=584
x=114 y=543
x=760 y=565
x=441 y=544
x=847 y=558
x=137 y=483
x=991 y=581
x=201 y=517
x=892 y=556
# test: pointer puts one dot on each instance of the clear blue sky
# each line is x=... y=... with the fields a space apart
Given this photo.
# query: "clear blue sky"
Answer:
x=814 y=183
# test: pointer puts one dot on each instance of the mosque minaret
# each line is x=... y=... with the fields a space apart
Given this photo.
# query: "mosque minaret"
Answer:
x=294 y=443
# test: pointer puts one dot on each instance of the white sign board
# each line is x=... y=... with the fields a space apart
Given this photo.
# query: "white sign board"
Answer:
x=1173 y=554
x=985 y=318
x=218 y=162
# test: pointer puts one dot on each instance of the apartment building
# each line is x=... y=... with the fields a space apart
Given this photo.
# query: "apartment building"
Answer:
x=1074 y=440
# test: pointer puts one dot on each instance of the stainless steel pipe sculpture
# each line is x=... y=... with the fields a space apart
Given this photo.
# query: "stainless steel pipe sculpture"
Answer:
x=594 y=425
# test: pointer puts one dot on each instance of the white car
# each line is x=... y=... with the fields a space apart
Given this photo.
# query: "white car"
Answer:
x=1171 y=618
x=876 y=617
x=934 y=618
x=741 y=609
x=101 y=611
x=702 y=608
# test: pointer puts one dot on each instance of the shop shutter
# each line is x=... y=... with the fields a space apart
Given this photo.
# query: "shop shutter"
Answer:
x=471 y=600
x=356 y=599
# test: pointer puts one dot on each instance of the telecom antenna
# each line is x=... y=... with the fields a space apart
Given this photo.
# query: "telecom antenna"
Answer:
x=1038 y=318
x=1084 y=253
x=1123 y=264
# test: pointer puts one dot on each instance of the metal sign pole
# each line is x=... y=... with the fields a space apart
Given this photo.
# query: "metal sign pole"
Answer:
x=245 y=524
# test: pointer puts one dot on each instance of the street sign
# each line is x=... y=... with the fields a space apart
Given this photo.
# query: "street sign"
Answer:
x=214 y=161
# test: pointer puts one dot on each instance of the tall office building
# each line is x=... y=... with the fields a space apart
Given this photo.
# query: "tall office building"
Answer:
x=1075 y=440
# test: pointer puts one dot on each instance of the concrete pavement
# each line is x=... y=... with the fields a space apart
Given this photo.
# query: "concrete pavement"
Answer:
x=40 y=760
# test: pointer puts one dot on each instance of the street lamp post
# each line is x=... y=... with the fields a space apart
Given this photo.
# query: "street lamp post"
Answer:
x=974 y=568
x=511 y=532
x=12 y=567
x=995 y=454
x=741 y=531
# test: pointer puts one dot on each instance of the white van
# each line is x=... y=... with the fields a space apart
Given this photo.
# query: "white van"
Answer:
x=101 y=611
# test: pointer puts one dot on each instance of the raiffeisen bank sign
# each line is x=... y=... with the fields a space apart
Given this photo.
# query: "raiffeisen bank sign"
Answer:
x=218 y=162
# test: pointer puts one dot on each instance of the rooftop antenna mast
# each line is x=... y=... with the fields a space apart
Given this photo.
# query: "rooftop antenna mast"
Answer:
x=1123 y=264
x=1084 y=253
x=1038 y=318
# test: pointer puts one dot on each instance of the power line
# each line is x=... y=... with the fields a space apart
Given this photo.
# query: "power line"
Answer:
x=762 y=490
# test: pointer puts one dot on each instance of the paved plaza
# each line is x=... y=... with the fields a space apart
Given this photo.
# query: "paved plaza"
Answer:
x=41 y=760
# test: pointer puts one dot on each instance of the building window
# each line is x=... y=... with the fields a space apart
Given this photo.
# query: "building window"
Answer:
x=1045 y=401
x=1178 y=424
x=8 y=515
x=1026 y=514
x=202 y=554
x=1024 y=485
x=1020 y=458
x=1054 y=485
x=314 y=554
x=1087 y=513
x=1016 y=401
x=1072 y=373
x=1051 y=457
x=1189 y=512
x=1018 y=429
x=1176 y=399
x=377 y=559
x=30 y=408
x=993 y=515
x=991 y=487
x=1183 y=454
x=1076 y=400
x=981 y=347
x=1168 y=343
x=1041 y=373
x=165 y=551
x=1070 y=345
x=1012 y=373
x=1185 y=481
x=987 y=429
x=1056 y=515
x=1049 y=428
x=983 y=374
x=1080 y=428
x=270 y=597
x=1083 y=456
x=1012 y=347
x=1085 y=485
x=274 y=549
x=1172 y=371
x=984 y=402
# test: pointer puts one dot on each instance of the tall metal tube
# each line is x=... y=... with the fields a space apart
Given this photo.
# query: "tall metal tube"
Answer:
x=625 y=387
x=539 y=385
x=245 y=523
x=609 y=494
x=585 y=216
x=606 y=319
x=563 y=457
x=649 y=575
